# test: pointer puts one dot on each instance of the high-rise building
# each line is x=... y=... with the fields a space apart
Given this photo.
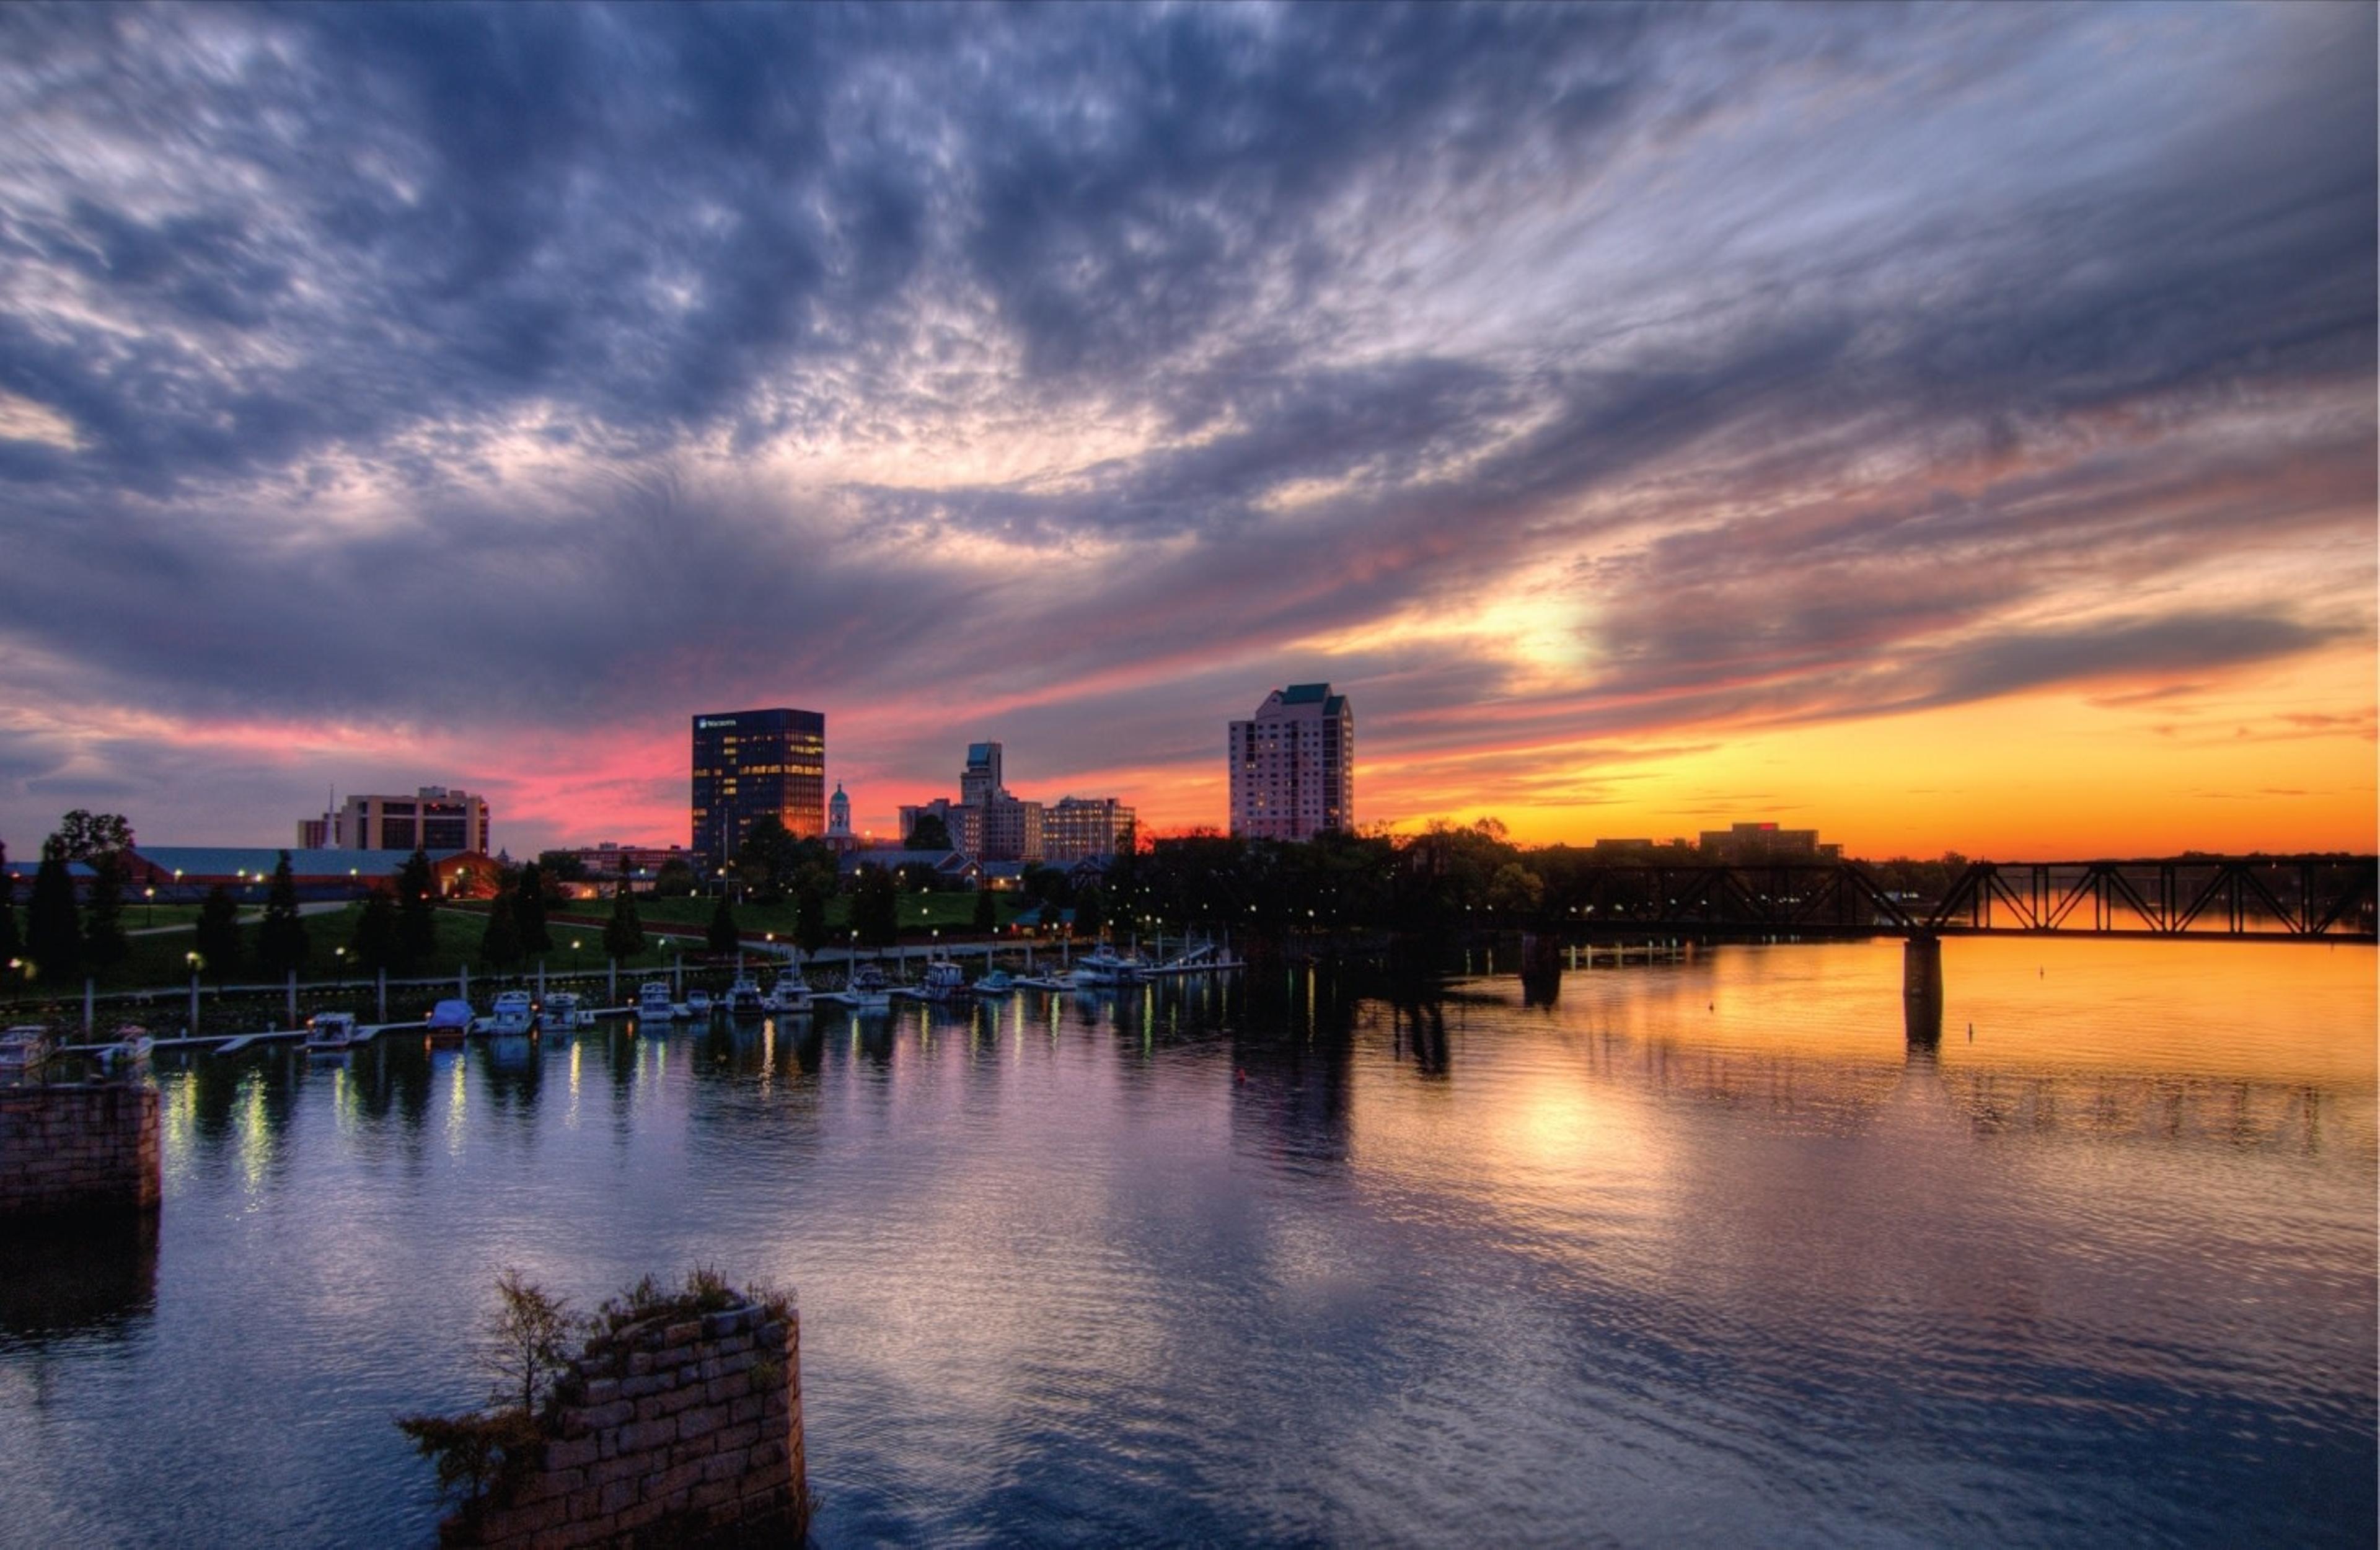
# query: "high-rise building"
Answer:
x=1292 y=765
x=752 y=763
x=981 y=778
x=432 y=819
x=1079 y=828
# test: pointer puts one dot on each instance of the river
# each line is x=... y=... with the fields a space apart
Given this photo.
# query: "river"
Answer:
x=1702 y=1252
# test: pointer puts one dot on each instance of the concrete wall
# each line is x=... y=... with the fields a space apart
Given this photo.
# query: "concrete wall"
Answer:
x=670 y=1433
x=82 y=1150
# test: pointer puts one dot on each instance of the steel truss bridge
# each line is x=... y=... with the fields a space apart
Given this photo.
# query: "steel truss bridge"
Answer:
x=2298 y=898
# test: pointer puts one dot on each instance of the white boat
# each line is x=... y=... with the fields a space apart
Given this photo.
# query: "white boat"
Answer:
x=562 y=1014
x=653 y=1002
x=943 y=980
x=1105 y=966
x=865 y=991
x=129 y=1053
x=698 y=1005
x=330 y=1032
x=995 y=983
x=515 y=1017
x=22 y=1050
x=743 y=998
x=790 y=994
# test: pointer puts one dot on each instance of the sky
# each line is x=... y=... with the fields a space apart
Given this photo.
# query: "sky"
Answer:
x=1949 y=428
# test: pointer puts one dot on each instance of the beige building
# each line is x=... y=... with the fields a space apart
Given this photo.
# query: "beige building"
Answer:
x=1292 y=766
x=432 y=819
x=1077 y=827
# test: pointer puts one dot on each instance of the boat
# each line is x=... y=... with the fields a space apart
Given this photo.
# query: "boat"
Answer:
x=330 y=1032
x=653 y=1002
x=791 y=994
x=1104 y=966
x=867 y=990
x=129 y=1053
x=995 y=983
x=22 y=1050
x=698 y=1005
x=562 y=1014
x=515 y=1017
x=449 y=1021
x=943 y=980
x=743 y=998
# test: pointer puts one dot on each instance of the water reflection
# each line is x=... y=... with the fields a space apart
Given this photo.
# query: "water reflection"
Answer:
x=97 y=1278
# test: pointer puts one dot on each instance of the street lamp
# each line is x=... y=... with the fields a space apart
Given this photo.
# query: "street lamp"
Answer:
x=340 y=953
x=149 y=909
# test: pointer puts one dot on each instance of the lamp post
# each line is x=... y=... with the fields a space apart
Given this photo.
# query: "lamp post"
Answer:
x=340 y=955
x=149 y=908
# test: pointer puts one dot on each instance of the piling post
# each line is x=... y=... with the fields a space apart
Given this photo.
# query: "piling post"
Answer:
x=194 y=1003
x=611 y=984
x=1921 y=988
x=88 y=988
x=540 y=982
x=293 y=999
x=383 y=993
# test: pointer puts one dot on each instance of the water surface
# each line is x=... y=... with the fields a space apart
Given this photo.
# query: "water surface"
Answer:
x=1702 y=1251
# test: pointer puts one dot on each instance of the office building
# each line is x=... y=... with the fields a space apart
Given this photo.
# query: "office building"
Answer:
x=1758 y=844
x=1292 y=766
x=751 y=764
x=981 y=778
x=1078 y=828
x=432 y=819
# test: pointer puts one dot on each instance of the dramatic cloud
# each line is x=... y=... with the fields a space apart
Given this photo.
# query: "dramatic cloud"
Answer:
x=393 y=395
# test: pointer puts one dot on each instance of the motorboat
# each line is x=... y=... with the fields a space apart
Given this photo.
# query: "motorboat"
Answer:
x=743 y=998
x=563 y=1015
x=790 y=994
x=698 y=1005
x=942 y=982
x=654 y=1003
x=22 y=1050
x=995 y=983
x=867 y=990
x=515 y=1016
x=449 y=1021
x=1104 y=966
x=129 y=1053
x=330 y=1032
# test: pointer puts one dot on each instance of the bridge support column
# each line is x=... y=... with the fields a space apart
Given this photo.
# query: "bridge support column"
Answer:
x=1921 y=988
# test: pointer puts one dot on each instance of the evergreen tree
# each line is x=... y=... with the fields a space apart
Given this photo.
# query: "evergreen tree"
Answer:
x=675 y=880
x=722 y=935
x=218 y=934
x=11 y=945
x=987 y=914
x=416 y=926
x=103 y=942
x=53 y=932
x=809 y=917
x=624 y=934
x=374 y=946
x=1090 y=911
x=281 y=944
x=500 y=944
x=528 y=912
x=876 y=907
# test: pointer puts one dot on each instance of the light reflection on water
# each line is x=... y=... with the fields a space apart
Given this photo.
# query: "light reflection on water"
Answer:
x=1704 y=1248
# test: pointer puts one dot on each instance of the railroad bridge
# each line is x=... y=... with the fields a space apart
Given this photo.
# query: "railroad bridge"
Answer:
x=2291 y=898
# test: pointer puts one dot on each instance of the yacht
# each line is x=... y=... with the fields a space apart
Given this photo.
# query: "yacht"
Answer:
x=994 y=982
x=653 y=1003
x=22 y=1050
x=1105 y=966
x=743 y=998
x=698 y=1005
x=865 y=991
x=330 y=1032
x=562 y=1014
x=515 y=1015
x=943 y=980
x=790 y=994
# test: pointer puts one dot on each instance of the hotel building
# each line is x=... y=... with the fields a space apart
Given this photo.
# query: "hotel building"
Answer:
x=432 y=819
x=751 y=763
x=1079 y=828
x=1292 y=766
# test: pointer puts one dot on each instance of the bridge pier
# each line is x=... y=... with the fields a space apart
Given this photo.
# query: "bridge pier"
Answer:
x=1921 y=988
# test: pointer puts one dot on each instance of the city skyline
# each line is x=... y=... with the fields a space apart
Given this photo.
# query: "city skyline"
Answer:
x=1948 y=430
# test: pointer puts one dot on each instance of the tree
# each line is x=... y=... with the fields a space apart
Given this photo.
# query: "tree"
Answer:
x=722 y=935
x=528 y=912
x=809 y=917
x=561 y=866
x=932 y=834
x=417 y=926
x=987 y=914
x=11 y=945
x=53 y=932
x=528 y=1341
x=281 y=945
x=86 y=834
x=1516 y=891
x=500 y=944
x=624 y=934
x=103 y=942
x=876 y=906
x=374 y=946
x=218 y=934
x=767 y=859
x=1090 y=910
x=675 y=880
